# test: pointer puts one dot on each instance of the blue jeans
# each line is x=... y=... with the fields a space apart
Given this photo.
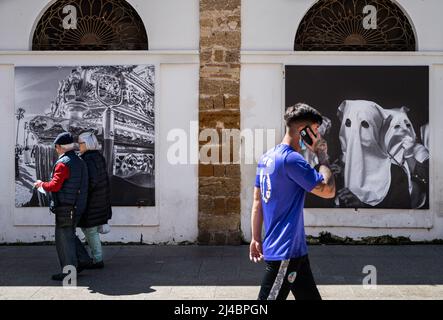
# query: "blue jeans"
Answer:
x=93 y=239
x=70 y=249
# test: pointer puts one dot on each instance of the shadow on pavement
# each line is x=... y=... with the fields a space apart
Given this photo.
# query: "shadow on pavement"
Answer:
x=132 y=270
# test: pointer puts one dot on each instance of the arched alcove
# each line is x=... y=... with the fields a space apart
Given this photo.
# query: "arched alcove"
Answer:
x=100 y=25
x=338 y=25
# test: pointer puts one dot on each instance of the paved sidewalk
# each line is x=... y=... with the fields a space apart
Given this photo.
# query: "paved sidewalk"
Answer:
x=207 y=272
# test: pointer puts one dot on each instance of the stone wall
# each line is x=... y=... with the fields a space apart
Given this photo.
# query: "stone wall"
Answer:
x=219 y=108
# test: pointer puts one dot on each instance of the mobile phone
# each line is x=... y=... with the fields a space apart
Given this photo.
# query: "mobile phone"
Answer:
x=305 y=135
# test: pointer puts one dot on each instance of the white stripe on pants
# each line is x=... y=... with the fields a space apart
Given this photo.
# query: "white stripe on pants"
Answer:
x=279 y=280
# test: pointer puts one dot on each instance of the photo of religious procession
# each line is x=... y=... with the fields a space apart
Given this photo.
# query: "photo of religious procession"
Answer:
x=377 y=132
x=116 y=103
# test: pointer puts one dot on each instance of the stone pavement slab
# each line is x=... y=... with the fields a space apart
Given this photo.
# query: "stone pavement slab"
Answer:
x=221 y=272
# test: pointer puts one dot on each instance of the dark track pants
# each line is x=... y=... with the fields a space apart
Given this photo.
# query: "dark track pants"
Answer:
x=289 y=275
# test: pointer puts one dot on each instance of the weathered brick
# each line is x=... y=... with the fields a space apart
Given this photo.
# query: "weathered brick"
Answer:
x=228 y=39
x=206 y=102
x=232 y=56
x=206 y=170
x=204 y=237
x=208 y=153
x=219 y=186
x=219 y=223
x=233 y=205
x=233 y=238
x=206 y=56
x=218 y=102
x=210 y=186
x=205 y=204
x=233 y=170
x=217 y=86
x=206 y=23
x=220 y=238
x=227 y=119
x=207 y=5
x=219 y=56
x=219 y=170
x=215 y=71
x=219 y=206
x=219 y=75
x=231 y=101
x=219 y=106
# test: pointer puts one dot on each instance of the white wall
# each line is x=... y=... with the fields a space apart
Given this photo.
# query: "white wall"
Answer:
x=268 y=32
x=173 y=33
x=261 y=108
x=170 y=24
x=272 y=24
x=174 y=218
x=262 y=95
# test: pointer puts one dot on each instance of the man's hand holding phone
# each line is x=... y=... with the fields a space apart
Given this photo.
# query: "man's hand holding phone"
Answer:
x=316 y=144
x=325 y=189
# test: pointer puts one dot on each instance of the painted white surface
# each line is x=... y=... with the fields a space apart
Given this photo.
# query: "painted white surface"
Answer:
x=273 y=24
x=262 y=95
x=174 y=218
x=170 y=24
x=268 y=32
x=261 y=108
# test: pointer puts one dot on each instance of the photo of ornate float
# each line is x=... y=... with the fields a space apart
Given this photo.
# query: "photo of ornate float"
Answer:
x=117 y=104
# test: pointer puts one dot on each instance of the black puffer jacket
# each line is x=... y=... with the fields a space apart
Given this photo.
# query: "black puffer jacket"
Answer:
x=98 y=210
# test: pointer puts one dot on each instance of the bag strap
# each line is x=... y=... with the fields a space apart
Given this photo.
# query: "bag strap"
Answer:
x=81 y=182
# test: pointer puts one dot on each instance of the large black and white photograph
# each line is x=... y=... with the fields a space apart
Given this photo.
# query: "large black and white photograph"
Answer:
x=116 y=103
x=376 y=124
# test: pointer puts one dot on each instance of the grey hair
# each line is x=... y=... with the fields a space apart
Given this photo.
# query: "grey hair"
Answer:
x=90 y=140
x=67 y=147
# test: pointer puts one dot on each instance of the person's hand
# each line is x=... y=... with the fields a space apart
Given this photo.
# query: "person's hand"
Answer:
x=255 y=251
x=408 y=145
x=315 y=141
x=349 y=199
x=38 y=184
x=319 y=145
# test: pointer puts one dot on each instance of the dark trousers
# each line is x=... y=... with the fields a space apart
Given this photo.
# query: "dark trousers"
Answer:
x=289 y=275
x=70 y=249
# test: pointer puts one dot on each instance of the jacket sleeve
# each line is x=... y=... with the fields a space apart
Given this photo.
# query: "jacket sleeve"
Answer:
x=92 y=174
x=61 y=173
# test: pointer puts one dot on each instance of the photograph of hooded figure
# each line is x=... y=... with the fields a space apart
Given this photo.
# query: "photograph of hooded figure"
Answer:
x=377 y=157
x=408 y=153
x=380 y=145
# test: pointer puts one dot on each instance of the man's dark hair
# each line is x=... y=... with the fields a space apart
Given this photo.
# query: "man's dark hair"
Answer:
x=302 y=112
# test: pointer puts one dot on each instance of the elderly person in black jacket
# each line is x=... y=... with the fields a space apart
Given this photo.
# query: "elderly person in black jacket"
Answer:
x=98 y=210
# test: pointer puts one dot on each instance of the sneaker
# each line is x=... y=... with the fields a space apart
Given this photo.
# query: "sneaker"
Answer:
x=59 y=276
x=84 y=265
x=97 y=265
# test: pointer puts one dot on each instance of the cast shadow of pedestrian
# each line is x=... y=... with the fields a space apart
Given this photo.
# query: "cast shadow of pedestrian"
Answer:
x=111 y=283
x=146 y=272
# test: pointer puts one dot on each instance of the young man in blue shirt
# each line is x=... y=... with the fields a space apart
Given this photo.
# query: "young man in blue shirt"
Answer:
x=283 y=178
